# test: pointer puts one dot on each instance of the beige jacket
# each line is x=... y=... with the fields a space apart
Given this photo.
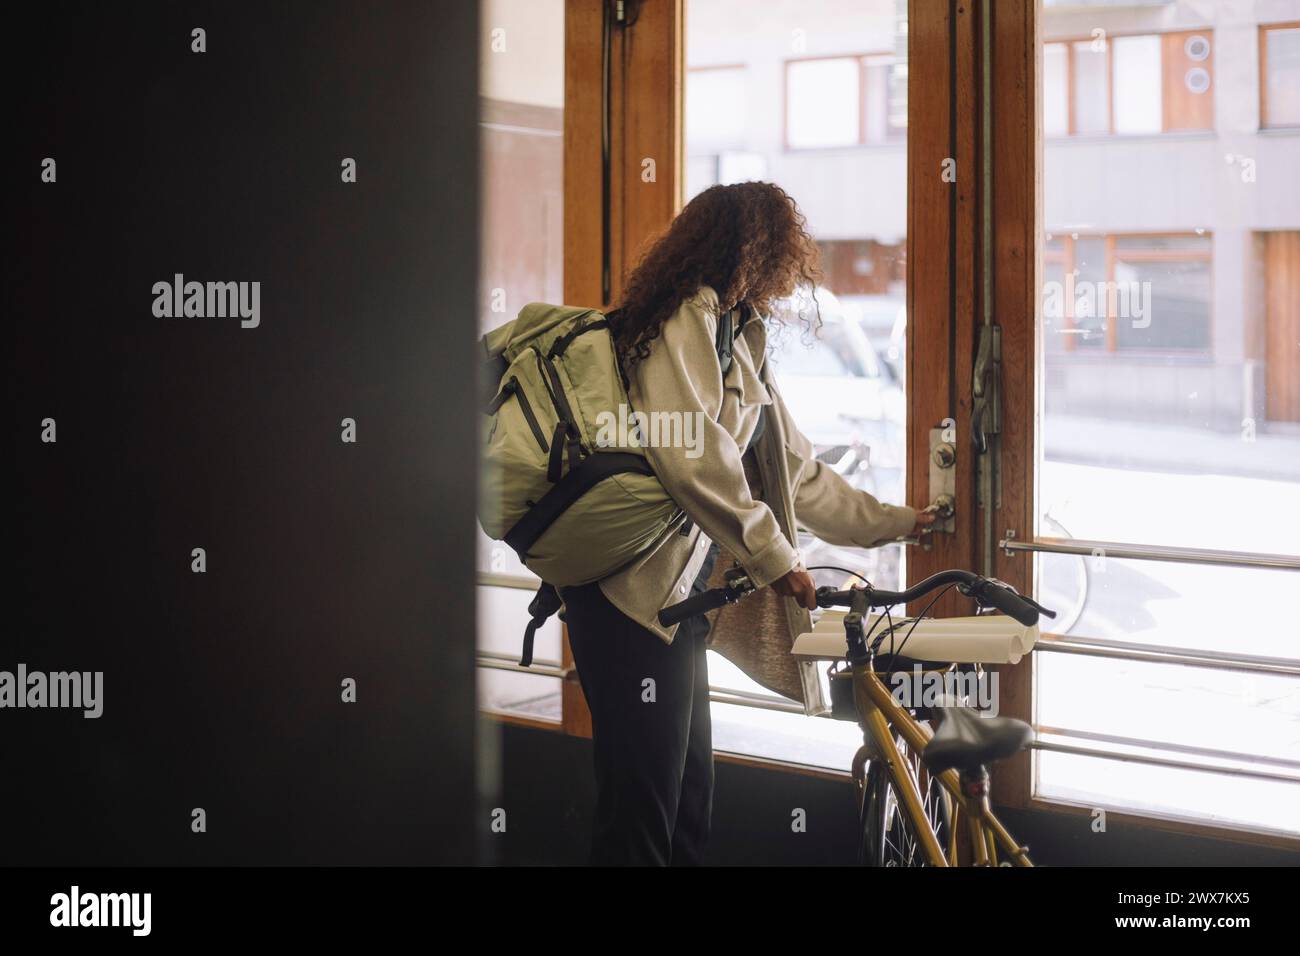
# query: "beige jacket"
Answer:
x=752 y=518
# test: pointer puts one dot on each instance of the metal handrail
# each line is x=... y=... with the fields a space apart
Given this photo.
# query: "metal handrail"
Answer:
x=539 y=668
x=1151 y=654
x=1047 y=746
x=1168 y=747
x=498 y=657
x=521 y=582
x=761 y=701
x=1153 y=552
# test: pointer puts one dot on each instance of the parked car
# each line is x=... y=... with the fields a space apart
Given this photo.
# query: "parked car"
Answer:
x=884 y=319
x=850 y=404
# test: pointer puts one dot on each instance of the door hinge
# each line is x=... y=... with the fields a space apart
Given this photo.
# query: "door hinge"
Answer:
x=624 y=12
x=986 y=412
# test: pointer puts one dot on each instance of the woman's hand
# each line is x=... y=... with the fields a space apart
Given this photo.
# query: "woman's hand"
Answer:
x=924 y=519
x=798 y=584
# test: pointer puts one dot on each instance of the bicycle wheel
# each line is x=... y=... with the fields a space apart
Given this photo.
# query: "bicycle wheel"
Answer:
x=888 y=835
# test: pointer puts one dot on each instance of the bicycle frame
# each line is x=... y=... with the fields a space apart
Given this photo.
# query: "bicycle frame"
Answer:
x=878 y=712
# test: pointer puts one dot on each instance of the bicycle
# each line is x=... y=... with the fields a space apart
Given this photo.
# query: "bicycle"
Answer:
x=902 y=757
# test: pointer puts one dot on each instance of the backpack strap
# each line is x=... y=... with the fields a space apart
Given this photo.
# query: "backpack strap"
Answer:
x=544 y=603
x=724 y=343
x=575 y=483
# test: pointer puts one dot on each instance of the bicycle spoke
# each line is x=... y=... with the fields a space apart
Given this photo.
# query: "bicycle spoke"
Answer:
x=901 y=844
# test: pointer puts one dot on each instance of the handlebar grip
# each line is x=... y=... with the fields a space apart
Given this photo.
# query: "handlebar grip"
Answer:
x=699 y=604
x=1008 y=602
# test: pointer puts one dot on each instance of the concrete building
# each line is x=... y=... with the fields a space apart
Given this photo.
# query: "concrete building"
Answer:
x=1172 y=168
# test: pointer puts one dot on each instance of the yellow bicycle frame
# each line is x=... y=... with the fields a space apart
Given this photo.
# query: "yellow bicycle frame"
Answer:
x=881 y=717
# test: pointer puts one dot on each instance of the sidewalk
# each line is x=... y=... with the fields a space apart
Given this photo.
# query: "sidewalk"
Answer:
x=1149 y=446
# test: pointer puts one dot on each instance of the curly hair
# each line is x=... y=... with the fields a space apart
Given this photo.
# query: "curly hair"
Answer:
x=747 y=241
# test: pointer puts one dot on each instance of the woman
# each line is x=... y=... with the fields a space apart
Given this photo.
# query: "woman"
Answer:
x=740 y=484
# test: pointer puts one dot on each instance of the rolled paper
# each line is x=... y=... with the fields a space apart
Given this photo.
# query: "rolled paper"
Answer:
x=985 y=639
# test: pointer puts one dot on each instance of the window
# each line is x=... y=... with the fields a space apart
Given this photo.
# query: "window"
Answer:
x=502 y=686
x=1056 y=90
x=1091 y=76
x=845 y=101
x=717 y=127
x=521 y=126
x=1135 y=64
x=1279 y=65
x=822 y=106
x=1169 y=378
x=885 y=108
x=716 y=107
x=1127 y=293
x=1128 y=85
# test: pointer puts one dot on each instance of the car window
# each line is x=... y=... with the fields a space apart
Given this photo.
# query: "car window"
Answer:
x=838 y=348
x=795 y=354
x=860 y=354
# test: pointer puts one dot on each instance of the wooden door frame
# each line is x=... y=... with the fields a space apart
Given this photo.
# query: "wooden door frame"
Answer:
x=946 y=292
x=1017 y=204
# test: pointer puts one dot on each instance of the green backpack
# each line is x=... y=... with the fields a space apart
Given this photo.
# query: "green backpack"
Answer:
x=575 y=498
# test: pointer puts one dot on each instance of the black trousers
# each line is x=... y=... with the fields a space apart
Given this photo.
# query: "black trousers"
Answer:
x=651 y=733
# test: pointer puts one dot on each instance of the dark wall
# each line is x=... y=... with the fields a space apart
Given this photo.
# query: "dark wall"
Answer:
x=548 y=792
x=326 y=560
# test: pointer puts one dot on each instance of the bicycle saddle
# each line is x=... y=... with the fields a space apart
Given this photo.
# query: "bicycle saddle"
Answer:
x=966 y=740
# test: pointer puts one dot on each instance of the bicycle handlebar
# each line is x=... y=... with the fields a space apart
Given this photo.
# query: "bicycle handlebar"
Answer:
x=988 y=592
x=705 y=601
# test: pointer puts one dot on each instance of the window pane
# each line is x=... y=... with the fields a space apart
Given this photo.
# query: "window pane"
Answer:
x=799 y=355
x=1204 y=797
x=1283 y=80
x=897 y=98
x=1169 y=712
x=503 y=612
x=1237 y=713
x=1056 y=90
x=522 y=132
x=715 y=108
x=1170 y=415
x=822 y=106
x=502 y=616
x=1138 y=97
x=1161 y=305
x=1091 y=87
x=842 y=384
x=812 y=741
x=521 y=126
x=876 y=76
x=1160 y=603
x=1082 y=301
